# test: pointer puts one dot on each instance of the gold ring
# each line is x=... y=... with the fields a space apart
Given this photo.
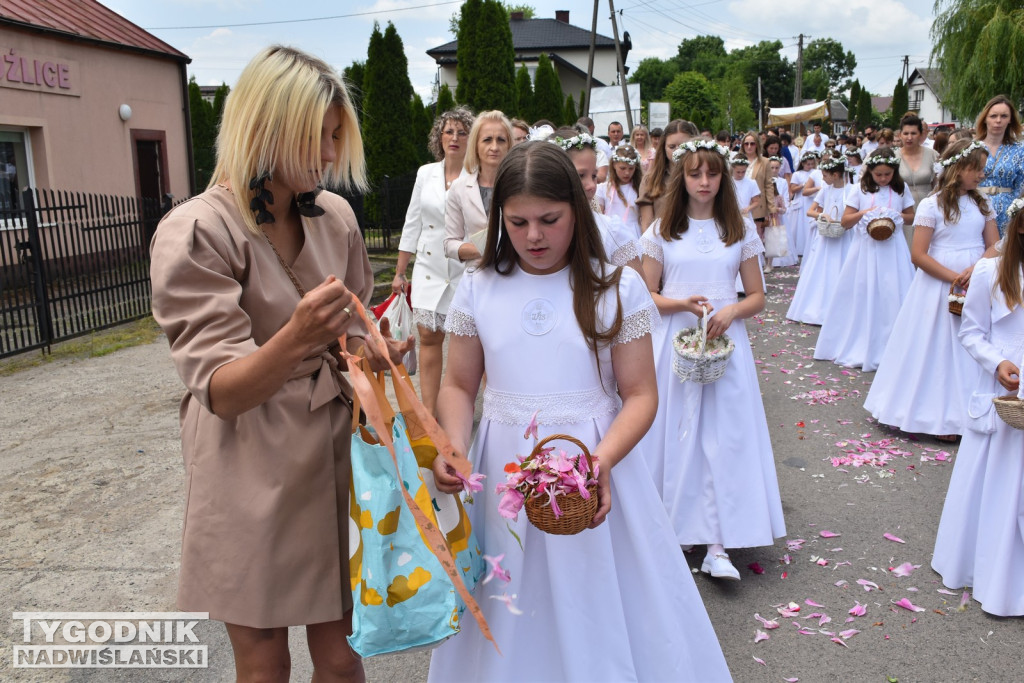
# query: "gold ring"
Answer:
x=347 y=312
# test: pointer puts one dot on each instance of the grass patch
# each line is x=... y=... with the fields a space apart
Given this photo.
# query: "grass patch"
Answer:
x=94 y=345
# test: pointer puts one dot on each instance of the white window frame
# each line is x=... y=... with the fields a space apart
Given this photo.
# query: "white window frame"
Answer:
x=10 y=223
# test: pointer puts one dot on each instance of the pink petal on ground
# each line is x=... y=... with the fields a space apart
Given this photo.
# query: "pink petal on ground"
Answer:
x=905 y=569
x=767 y=623
x=825 y=619
x=841 y=582
x=849 y=633
x=894 y=539
x=907 y=605
x=828 y=534
x=839 y=641
x=964 y=599
x=945 y=592
x=760 y=635
x=760 y=661
x=810 y=602
x=791 y=680
x=868 y=585
x=807 y=632
x=858 y=610
x=756 y=568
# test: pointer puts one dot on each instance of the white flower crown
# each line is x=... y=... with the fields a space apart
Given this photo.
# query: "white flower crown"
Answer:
x=881 y=160
x=1014 y=208
x=540 y=133
x=851 y=152
x=624 y=160
x=576 y=142
x=778 y=159
x=694 y=145
x=810 y=154
x=833 y=164
x=964 y=153
x=737 y=160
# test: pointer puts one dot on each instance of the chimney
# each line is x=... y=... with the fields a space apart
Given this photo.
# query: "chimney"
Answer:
x=516 y=16
x=562 y=15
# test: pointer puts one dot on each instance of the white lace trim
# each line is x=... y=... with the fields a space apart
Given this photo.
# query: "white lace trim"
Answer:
x=554 y=409
x=638 y=324
x=652 y=249
x=751 y=248
x=460 y=323
x=626 y=253
x=431 y=320
x=925 y=221
x=723 y=290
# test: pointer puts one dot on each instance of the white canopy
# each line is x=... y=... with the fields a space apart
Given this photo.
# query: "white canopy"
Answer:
x=806 y=112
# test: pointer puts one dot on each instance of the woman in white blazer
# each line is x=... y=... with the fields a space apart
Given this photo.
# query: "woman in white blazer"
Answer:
x=434 y=276
x=469 y=200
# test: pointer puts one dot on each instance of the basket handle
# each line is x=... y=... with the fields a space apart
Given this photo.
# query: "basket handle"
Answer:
x=834 y=209
x=953 y=288
x=561 y=437
x=703 y=329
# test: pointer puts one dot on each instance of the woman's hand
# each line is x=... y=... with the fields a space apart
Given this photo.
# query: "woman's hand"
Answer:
x=604 y=496
x=964 y=278
x=444 y=476
x=322 y=315
x=399 y=285
x=720 y=322
x=396 y=349
x=1005 y=373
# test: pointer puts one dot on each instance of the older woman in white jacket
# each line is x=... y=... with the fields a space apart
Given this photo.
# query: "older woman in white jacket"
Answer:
x=470 y=197
x=434 y=275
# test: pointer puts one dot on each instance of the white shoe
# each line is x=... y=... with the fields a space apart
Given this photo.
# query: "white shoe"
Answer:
x=768 y=268
x=720 y=567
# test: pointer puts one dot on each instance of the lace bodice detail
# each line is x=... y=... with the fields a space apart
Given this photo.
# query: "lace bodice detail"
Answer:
x=515 y=408
x=699 y=262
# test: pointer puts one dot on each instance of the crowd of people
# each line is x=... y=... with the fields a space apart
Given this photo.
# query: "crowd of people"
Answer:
x=559 y=267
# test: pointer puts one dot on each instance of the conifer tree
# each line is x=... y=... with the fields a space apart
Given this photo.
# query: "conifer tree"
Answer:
x=865 y=112
x=467 y=67
x=569 y=117
x=495 y=62
x=422 y=122
x=353 y=76
x=900 y=103
x=445 y=101
x=204 y=134
x=524 y=94
x=547 y=92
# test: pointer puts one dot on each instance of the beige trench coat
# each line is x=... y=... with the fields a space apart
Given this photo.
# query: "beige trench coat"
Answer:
x=265 y=542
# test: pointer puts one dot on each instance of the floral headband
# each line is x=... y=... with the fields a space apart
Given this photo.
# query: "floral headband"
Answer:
x=851 y=152
x=1014 y=208
x=809 y=155
x=694 y=145
x=737 y=160
x=773 y=158
x=576 y=142
x=964 y=153
x=833 y=164
x=625 y=160
x=881 y=160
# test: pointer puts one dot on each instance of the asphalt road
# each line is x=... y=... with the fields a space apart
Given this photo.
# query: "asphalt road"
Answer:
x=92 y=489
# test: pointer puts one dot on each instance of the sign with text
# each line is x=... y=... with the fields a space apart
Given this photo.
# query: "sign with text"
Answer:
x=53 y=75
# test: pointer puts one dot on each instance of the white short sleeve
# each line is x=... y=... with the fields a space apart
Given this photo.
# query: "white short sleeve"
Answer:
x=460 y=319
x=926 y=213
x=639 y=313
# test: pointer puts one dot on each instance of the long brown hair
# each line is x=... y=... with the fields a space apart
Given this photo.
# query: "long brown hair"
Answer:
x=654 y=180
x=948 y=195
x=883 y=156
x=626 y=152
x=1010 y=261
x=1012 y=131
x=543 y=170
x=726 y=209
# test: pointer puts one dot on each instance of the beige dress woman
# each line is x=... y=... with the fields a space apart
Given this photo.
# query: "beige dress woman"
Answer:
x=265 y=542
x=919 y=181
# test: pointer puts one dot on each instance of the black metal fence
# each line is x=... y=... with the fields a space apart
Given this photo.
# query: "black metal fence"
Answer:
x=71 y=263
x=381 y=212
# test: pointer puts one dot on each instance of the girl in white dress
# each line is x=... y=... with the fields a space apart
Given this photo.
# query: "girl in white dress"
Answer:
x=566 y=339
x=621 y=246
x=876 y=275
x=926 y=375
x=980 y=542
x=804 y=185
x=617 y=195
x=784 y=204
x=819 y=273
x=854 y=165
x=709 y=449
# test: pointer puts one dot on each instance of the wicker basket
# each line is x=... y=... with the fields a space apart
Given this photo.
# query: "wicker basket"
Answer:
x=829 y=226
x=956 y=295
x=577 y=512
x=1011 y=410
x=699 y=367
x=881 y=228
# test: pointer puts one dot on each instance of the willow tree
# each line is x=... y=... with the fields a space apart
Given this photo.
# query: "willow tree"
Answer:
x=979 y=49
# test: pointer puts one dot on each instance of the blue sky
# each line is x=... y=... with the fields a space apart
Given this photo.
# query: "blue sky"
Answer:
x=209 y=31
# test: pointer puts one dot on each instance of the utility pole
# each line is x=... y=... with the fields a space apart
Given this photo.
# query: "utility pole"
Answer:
x=906 y=69
x=760 y=105
x=590 y=61
x=622 y=70
x=798 y=87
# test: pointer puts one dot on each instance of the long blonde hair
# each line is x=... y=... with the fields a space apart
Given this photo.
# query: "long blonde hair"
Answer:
x=948 y=194
x=272 y=124
x=472 y=161
x=1010 y=261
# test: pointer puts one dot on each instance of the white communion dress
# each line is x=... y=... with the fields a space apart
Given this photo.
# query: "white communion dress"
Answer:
x=980 y=542
x=709 y=449
x=872 y=284
x=926 y=376
x=615 y=603
x=819 y=273
x=789 y=219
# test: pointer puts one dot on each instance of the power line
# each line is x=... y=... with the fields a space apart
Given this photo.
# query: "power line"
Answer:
x=299 y=21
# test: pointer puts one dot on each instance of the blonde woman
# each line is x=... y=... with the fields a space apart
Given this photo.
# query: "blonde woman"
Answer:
x=469 y=199
x=758 y=171
x=640 y=140
x=434 y=276
x=655 y=182
x=253 y=282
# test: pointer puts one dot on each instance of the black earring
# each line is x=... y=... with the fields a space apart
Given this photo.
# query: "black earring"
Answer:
x=263 y=196
x=306 y=203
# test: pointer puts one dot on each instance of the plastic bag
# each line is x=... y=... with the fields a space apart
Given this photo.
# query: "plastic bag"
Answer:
x=775 y=241
x=399 y=314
